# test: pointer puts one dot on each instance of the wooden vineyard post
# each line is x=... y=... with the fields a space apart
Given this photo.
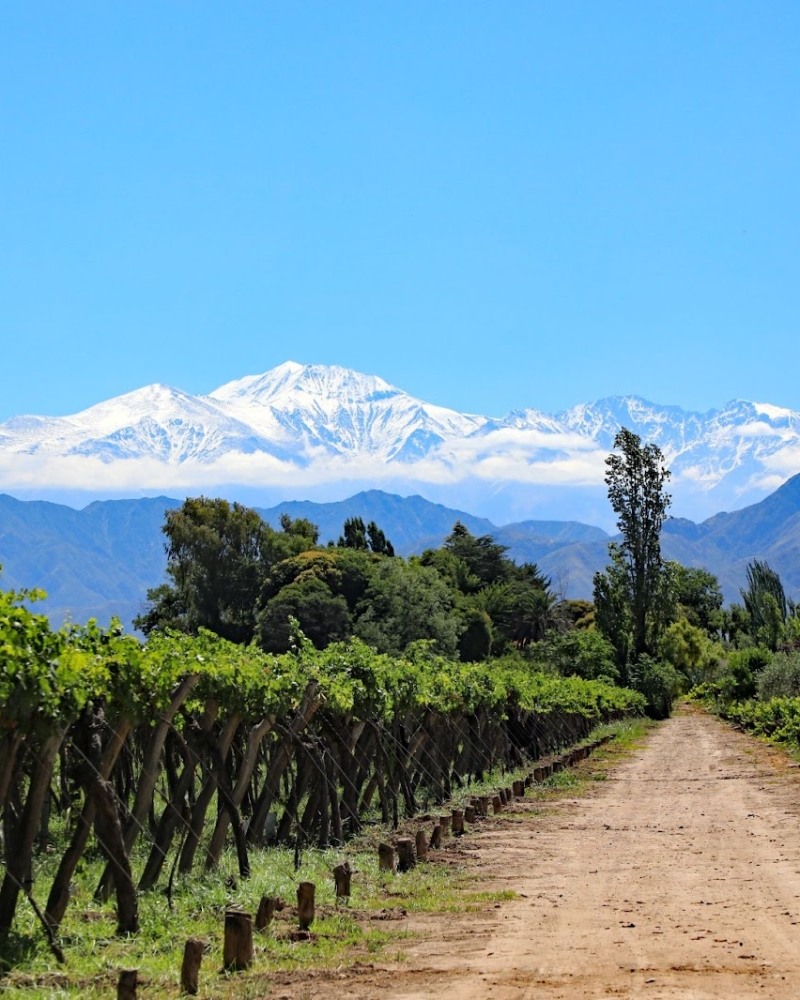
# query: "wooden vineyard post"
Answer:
x=266 y=911
x=509 y=796
x=238 y=947
x=501 y=794
x=422 y=846
x=436 y=837
x=386 y=858
x=486 y=801
x=406 y=859
x=190 y=969
x=497 y=804
x=458 y=822
x=538 y=774
x=445 y=823
x=305 y=904
x=342 y=874
x=127 y=984
x=519 y=789
x=469 y=814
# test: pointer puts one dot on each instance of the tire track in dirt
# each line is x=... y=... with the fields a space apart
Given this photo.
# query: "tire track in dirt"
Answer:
x=678 y=876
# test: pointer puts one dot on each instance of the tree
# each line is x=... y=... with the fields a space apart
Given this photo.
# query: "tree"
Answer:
x=218 y=556
x=637 y=579
x=765 y=602
x=322 y=616
x=699 y=598
x=403 y=603
x=484 y=558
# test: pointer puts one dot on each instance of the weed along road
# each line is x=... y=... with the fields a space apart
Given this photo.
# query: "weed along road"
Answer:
x=678 y=875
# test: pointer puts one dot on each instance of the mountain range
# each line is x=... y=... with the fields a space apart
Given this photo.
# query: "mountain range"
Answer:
x=325 y=432
x=101 y=560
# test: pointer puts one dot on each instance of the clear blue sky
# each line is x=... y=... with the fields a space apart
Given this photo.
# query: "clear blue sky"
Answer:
x=491 y=205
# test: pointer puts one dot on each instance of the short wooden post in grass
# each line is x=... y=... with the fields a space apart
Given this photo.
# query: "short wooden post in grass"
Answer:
x=486 y=802
x=538 y=774
x=422 y=845
x=436 y=837
x=509 y=796
x=501 y=794
x=342 y=874
x=237 y=953
x=469 y=814
x=386 y=858
x=445 y=822
x=497 y=804
x=127 y=983
x=519 y=789
x=529 y=779
x=190 y=968
x=406 y=858
x=305 y=905
x=458 y=822
x=266 y=911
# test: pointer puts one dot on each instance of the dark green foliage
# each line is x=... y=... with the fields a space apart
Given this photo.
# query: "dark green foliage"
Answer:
x=405 y=603
x=475 y=641
x=484 y=558
x=354 y=534
x=699 y=597
x=583 y=653
x=323 y=617
x=636 y=478
x=218 y=555
x=658 y=682
x=765 y=602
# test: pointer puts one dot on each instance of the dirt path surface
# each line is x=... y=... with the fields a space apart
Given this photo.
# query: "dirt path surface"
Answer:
x=678 y=876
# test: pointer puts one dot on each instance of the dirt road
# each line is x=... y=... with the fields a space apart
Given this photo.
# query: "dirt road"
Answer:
x=678 y=876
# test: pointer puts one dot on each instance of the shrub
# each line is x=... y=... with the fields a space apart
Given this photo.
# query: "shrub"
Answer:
x=780 y=678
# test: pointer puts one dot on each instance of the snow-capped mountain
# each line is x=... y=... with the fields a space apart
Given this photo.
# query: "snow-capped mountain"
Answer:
x=302 y=427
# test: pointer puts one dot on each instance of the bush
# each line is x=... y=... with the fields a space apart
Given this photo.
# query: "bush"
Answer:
x=658 y=682
x=780 y=678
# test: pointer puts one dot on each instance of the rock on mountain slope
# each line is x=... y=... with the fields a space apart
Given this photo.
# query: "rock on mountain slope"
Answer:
x=325 y=431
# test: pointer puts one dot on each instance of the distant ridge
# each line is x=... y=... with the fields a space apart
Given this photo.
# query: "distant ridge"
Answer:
x=101 y=560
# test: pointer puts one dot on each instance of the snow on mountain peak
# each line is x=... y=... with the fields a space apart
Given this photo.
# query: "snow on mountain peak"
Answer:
x=326 y=423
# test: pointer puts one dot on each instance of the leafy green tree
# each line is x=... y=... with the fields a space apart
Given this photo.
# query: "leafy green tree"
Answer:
x=690 y=651
x=583 y=653
x=378 y=542
x=323 y=616
x=699 y=597
x=484 y=558
x=354 y=534
x=218 y=556
x=634 y=592
x=405 y=602
x=765 y=601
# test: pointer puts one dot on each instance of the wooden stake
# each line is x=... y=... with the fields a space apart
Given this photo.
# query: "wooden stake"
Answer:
x=497 y=804
x=436 y=837
x=190 y=969
x=486 y=801
x=238 y=947
x=406 y=859
x=469 y=814
x=266 y=911
x=386 y=858
x=341 y=876
x=127 y=984
x=445 y=822
x=305 y=905
x=501 y=794
x=422 y=846
x=519 y=789
x=458 y=822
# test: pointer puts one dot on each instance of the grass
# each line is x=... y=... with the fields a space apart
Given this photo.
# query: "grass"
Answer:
x=373 y=924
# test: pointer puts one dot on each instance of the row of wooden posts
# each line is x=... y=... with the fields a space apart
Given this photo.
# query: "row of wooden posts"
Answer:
x=400 y=856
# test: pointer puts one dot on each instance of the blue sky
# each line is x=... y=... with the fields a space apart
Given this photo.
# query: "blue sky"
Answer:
x=489 y=205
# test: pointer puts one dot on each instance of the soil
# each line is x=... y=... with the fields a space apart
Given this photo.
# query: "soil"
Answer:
x=676 y=876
